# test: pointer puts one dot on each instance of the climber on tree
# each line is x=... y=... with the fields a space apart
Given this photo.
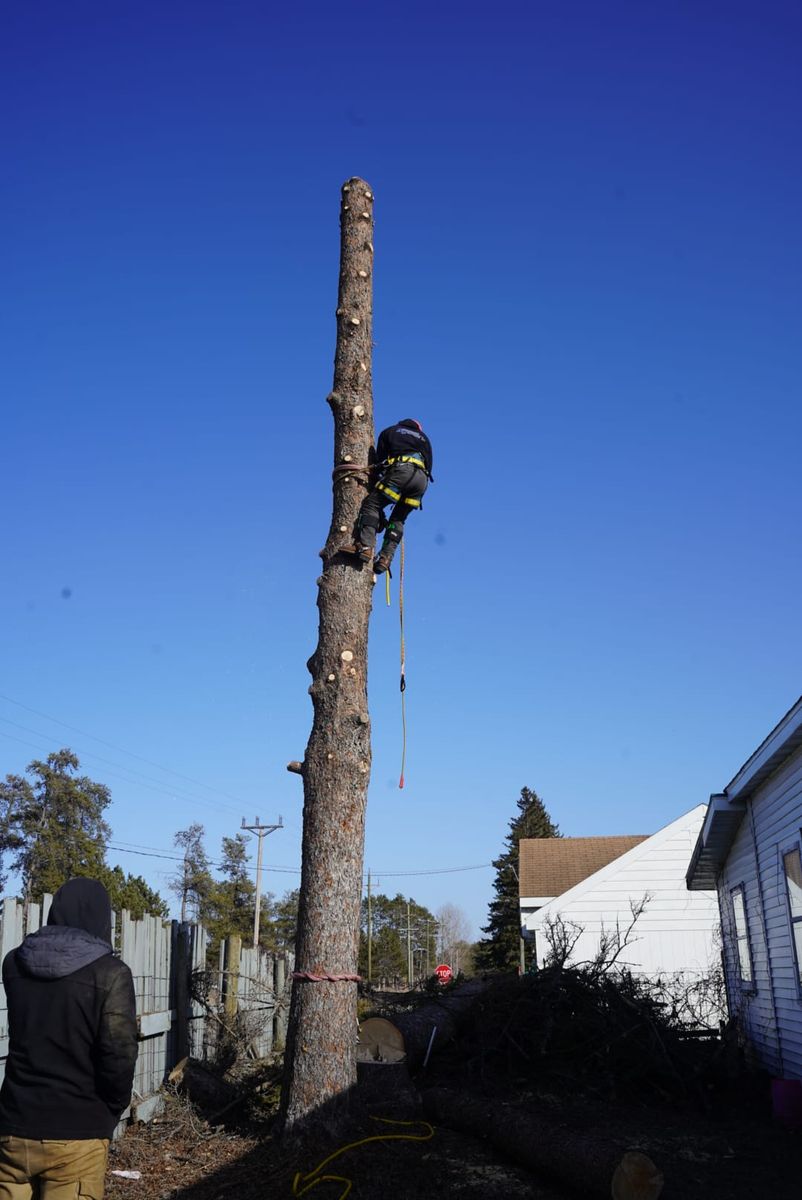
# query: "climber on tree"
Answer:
x=404 y=466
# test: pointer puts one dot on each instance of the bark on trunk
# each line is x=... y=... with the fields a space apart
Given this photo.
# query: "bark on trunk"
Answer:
x=321 y=1038
x=587 y=1163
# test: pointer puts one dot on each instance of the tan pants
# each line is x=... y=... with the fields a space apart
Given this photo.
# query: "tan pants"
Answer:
x=52 y=1170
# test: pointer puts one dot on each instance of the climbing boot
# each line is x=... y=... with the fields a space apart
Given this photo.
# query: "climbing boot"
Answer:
x=363 y=553
x=392 y=536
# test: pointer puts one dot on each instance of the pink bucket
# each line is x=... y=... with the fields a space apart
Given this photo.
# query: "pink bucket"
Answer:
x=786 y=1102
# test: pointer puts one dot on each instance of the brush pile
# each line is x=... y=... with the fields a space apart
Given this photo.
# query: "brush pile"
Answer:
x=566 y=1028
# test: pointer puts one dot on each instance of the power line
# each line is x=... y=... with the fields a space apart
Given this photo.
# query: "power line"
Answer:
x=125 y=849
x=152 y=852
x=436 y=870
x=140 y=780
x=180 y=858
x=121 y=749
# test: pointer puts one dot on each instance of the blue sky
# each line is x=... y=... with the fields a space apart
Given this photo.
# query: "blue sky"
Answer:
x=587 y=288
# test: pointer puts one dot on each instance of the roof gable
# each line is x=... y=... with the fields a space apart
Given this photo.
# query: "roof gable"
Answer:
x=550 y=866
x=726 y=809
x=784 y=739
x=690 y=820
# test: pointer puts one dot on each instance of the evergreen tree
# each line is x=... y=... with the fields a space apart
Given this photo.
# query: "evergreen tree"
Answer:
x=193 y=882
x=52 y=829
x=501 y=950
x=231 y=901
x=51 y=825
x=279 y=921
x=131 y=892
x=389 y=958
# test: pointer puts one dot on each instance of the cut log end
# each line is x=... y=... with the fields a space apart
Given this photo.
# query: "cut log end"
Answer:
x=636 y=1177
x=380 y=1041
x=295 y=767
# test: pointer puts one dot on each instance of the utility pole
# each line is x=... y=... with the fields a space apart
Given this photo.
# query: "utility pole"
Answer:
x=409 y=947
x=261 y=831
x=521 y=942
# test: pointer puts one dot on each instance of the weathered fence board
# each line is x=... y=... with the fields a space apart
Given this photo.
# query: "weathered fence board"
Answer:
x=167 y=958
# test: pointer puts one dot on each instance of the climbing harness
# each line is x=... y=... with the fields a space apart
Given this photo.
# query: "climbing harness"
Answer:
x=391 y=493
x=407 y=458
x=302 y=1184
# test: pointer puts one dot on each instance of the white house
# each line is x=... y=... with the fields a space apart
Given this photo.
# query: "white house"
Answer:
x=676 y=930
x=749 y=848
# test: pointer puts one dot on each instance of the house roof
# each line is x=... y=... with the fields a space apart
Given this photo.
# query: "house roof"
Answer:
x=550 y=866
x=726 y=809
x=640 y=851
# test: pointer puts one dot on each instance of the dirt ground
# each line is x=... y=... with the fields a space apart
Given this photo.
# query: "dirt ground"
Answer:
x=731 y=1156
x=554 y=1050
x=214 y=1166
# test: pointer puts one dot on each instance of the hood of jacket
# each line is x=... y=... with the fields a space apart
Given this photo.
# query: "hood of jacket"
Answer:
x=78 y=932
x=58 y=950
x=82 y=904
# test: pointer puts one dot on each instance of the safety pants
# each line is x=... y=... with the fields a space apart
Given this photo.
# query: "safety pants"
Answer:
x=401 y=485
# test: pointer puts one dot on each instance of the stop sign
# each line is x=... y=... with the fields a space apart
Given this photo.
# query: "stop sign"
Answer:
x=444 y=973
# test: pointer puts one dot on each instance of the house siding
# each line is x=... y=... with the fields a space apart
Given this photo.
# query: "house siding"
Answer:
x=771 y=1015
x=675 y=933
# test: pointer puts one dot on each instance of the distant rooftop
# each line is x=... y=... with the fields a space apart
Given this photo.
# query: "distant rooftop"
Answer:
x=550 y=866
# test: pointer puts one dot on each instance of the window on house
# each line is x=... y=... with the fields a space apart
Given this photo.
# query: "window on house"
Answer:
x=793 y=881
x=742 y=936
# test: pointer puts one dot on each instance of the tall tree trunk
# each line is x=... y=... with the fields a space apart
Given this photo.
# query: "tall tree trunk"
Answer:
x=321 y=1051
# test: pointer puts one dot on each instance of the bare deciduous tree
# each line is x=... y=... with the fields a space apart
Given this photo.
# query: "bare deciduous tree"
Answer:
x=562 y=937
x=453 y=933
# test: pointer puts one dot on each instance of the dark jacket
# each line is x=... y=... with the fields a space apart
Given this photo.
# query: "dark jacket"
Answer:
x=71 y=1022
x=404 y=438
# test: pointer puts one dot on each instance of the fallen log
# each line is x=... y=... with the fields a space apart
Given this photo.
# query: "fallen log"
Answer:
x=204 y=1088
x=589 y=1164
x=425 y=1029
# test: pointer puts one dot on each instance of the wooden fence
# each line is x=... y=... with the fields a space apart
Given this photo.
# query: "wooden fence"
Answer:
x=181 y=1006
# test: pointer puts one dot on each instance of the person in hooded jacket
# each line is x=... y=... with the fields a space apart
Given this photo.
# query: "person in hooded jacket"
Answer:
x=404 y=463
x=72 y=1050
